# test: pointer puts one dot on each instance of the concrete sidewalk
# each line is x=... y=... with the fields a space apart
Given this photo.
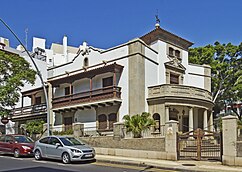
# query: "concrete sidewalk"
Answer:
x=198 y=166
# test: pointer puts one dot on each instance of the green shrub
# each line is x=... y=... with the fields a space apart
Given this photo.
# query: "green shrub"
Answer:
x=67 y=132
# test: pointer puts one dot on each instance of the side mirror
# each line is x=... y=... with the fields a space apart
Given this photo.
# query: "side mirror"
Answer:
x=58 y=145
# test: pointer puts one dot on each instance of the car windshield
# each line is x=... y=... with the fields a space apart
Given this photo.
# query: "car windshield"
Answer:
x=23 y=139
x=70 y=141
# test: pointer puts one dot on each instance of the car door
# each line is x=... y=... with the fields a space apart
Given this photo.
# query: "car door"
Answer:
x=9 y=143
x=43 y=143
x=2 y=144
x=52 y=150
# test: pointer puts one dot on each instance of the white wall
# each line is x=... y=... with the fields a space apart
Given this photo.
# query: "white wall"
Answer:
x=38 y=42
x=87 y=117
x=151 y=74
x=195 y=76
x=162 y=58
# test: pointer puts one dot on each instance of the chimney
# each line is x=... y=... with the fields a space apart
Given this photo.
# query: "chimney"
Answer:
x=4 y=41
x=65 y=48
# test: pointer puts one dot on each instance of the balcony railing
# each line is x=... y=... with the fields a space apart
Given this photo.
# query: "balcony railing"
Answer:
x=26 y=110
x=169 y=90
x=87 y=96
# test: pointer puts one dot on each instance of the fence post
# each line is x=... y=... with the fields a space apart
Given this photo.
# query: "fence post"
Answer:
x=229 y=139
x=171 y=129
x=118 y=131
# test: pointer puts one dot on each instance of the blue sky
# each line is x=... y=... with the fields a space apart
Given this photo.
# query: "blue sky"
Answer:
x=107 y=23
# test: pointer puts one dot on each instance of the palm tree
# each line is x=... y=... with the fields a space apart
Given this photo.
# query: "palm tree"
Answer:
x=138 y=123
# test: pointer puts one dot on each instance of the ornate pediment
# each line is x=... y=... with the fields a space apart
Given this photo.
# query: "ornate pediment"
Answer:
x=175 y=64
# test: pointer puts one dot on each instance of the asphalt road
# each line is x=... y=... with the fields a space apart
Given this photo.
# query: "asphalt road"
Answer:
x=25 y=164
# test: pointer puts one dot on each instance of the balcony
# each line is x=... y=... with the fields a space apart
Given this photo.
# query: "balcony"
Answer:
x=179 y=91
x=27 y=111
x=86 y=97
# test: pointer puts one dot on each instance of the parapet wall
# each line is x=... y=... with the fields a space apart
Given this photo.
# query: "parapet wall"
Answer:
x=150 y=144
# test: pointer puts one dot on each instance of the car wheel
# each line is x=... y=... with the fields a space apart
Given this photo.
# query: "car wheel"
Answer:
x=37 y=155
x=66 y=158
x=16 y=153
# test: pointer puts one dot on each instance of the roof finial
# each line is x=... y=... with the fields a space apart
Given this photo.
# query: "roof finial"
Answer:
x=157 y=24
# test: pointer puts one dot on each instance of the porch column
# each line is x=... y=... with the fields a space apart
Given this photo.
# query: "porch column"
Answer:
x=191 y=119
x=180 y=116
x=167 y=113
x=211 y=122
x=205 y=119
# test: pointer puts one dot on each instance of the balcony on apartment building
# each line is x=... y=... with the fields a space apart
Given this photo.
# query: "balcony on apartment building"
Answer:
x=182 y=92
x=36 y=110
x=87 y=96
x=107 y=93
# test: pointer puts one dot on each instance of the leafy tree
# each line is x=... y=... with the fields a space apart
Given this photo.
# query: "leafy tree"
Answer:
x=226 y=64
x=14 y=73
x=138 y=123
x=35 y=126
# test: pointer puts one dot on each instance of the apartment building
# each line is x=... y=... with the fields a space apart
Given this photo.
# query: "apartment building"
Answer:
x=32 y=104
x=97 y=87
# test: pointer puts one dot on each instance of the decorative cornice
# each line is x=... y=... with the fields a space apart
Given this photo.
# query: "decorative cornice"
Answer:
x=163 y=35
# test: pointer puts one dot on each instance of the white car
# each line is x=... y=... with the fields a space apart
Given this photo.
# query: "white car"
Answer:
x=63 y=148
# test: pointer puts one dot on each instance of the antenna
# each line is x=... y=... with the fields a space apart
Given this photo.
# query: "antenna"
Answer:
x=157 y=24
x=26 y=38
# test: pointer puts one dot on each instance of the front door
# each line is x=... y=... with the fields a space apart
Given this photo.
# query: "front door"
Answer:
x=68 y=123
x=53 y=151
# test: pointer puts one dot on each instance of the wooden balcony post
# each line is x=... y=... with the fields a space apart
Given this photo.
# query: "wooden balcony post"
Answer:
x=114 y=84
x=71 y=88
x=22 y=103
x=91 y=87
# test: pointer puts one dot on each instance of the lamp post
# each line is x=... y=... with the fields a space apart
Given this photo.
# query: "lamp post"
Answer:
x=38 y=72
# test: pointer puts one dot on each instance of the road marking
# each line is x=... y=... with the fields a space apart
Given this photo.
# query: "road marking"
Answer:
x=21 y=159
x=61 y=164
x=44 y=162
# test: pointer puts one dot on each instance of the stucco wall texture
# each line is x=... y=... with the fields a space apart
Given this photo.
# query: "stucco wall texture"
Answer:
x=150 y=144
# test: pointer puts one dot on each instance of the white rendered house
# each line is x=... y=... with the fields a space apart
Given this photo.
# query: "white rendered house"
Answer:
x=97 y=87
x=148 y=74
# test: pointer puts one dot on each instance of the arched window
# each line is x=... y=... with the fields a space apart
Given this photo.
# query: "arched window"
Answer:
x=156 y=117
x=102 y=122
x=112 y=118
x=86 y=62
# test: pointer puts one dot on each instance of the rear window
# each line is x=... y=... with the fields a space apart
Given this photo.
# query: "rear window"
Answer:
x=23 y=139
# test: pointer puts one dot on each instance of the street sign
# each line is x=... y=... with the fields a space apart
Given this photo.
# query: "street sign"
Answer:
x=4 y=120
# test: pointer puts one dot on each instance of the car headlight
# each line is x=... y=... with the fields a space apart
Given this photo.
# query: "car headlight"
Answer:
x=26 y=147
x=76 y=151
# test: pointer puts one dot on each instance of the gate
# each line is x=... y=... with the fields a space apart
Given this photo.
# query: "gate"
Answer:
x=200 y=145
